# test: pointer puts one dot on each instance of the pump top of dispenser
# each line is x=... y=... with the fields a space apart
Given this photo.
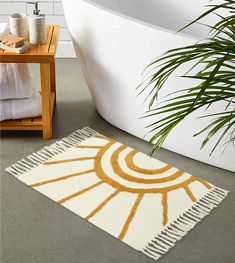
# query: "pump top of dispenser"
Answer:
x=37 y=26
x=36 y=11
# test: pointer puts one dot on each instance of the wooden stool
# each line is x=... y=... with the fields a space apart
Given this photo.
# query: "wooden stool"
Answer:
x=45 y=56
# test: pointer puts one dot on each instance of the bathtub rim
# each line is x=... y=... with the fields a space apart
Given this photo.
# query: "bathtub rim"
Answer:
x=141 y=22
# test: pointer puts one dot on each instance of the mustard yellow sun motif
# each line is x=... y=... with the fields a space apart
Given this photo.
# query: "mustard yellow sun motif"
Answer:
x=124 y=170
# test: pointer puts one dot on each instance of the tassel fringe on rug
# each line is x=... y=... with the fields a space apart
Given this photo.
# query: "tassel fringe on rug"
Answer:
x=141 y=201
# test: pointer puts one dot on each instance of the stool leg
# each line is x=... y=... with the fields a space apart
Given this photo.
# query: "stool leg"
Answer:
x=46 y=100
x=53 y=78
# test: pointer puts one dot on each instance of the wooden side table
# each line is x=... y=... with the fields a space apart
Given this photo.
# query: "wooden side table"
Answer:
x=45 y=56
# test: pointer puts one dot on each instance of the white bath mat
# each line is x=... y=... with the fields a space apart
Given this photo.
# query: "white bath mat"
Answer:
x=142 y=201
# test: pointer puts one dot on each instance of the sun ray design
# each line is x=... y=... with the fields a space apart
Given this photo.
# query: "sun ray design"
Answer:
x=207 y=185
x=125 y=178
x=131 y=216
x=105 y=137
x=189 y=193
x=144 y=202
x=67 y=198
x=88 y=146
x=61 y=178
x=70 y=160
x=164 y=208
x=99 y=207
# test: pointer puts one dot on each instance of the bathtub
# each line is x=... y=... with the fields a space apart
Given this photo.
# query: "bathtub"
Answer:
x=115 y=40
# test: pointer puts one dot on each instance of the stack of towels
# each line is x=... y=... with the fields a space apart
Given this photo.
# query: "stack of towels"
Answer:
x=19 y=97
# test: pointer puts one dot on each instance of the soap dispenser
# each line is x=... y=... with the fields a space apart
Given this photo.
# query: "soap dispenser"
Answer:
x=37 y=26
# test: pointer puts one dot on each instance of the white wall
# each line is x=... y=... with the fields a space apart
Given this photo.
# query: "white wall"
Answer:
x=54 y=15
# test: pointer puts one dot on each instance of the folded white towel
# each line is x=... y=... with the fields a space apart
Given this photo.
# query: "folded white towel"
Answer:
x=4 y=29
x=15 y=81
x=21 y=108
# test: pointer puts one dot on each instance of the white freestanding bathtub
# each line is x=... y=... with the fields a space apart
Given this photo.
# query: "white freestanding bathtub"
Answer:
x=115 y=40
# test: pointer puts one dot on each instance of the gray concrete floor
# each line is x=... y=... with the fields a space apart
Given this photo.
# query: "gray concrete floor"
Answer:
x=35 y=229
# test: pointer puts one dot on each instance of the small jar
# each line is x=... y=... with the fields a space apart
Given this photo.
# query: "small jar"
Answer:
x=18 y=25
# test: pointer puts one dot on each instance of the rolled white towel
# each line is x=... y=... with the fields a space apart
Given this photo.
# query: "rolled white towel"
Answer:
x=21 y=108
x=15 y=81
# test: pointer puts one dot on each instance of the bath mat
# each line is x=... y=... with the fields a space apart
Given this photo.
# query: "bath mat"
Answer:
x=142 y=201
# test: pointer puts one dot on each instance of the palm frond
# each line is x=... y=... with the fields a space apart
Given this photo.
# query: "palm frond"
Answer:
x=216 y=55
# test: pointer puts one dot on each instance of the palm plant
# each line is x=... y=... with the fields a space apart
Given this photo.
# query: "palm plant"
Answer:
x=216 y=55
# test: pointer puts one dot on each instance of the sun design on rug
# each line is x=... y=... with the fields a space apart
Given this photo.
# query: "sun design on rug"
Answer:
x=124 y=170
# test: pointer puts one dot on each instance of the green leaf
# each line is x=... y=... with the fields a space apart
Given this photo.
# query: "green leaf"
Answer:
x=216 y=78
